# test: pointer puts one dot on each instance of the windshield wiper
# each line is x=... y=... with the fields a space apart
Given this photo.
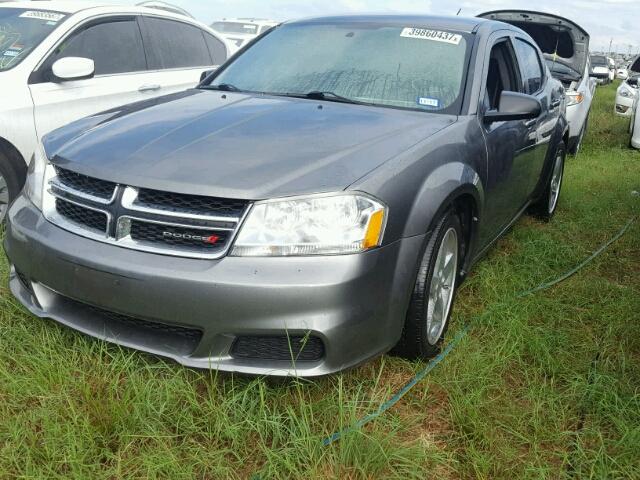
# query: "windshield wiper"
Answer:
x=319 y=95
x=330 y=97
x=223 y=87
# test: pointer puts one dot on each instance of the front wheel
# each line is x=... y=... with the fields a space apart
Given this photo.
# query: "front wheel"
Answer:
x=429 y=310
x=546 y=206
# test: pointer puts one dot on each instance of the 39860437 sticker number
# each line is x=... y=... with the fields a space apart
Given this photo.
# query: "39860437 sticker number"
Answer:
x=434 y=35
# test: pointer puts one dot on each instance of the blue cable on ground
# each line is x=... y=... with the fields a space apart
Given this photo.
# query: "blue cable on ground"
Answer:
x=456 y=340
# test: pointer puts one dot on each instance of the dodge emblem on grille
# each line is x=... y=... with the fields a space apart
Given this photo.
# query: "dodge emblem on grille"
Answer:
x=210 y=239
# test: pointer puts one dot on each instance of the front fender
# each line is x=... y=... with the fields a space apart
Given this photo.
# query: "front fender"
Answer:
x=447 y=183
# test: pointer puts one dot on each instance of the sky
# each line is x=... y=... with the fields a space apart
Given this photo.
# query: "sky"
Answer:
x=603 y=19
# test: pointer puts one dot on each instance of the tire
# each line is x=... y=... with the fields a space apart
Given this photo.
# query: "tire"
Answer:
x=10 y=185
x=547 y=205
x=427 y=319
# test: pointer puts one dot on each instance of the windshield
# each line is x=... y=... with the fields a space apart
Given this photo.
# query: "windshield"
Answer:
x=21 y=30
x=394 y=66
x=235 y=27
x=599 y=60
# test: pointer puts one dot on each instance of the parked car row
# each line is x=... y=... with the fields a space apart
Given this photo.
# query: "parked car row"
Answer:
x=283 y=218
x=61 y=61
x=565 y=46
x=240 y=31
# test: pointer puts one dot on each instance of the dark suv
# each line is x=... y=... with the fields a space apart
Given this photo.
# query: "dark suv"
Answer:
x=312 y=204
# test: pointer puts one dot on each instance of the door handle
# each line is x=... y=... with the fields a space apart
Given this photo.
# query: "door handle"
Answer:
x=530 y=123
x=555 y=104
x=149 y=88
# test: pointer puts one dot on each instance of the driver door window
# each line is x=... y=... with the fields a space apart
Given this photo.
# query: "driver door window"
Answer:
x=502 y=74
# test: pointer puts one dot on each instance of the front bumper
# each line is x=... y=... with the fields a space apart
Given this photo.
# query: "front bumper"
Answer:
x=355 y=304
x=623 y=106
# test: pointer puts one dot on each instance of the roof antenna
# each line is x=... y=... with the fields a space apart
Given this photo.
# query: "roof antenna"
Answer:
x=459 y=10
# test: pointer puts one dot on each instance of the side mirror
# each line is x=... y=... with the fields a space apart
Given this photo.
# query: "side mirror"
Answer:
x=73 y=68
x=514 y=106
x=205 y=74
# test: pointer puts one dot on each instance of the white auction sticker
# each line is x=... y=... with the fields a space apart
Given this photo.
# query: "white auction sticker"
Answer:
x=428 y=102
x=42 y=15
x=434 y=35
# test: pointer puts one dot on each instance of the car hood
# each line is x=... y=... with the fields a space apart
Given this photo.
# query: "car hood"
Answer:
x=559 y=38
x=237 y=145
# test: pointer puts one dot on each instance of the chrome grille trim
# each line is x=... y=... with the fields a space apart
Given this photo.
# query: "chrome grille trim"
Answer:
x=57 y=187
x=129 y=201
x=122 y=208
x=60 y=184
x=51 y=213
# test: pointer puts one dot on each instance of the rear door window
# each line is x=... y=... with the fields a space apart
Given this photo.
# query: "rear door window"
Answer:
x=530 y=67
x=173 y=44
x=115 y=45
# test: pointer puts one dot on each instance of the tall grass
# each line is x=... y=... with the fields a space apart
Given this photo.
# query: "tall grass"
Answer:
x=543 y=387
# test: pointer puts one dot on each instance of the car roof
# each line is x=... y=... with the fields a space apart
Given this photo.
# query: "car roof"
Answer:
x=462 y=24
x=74 y=6
x=257 y=21
x=55 y=5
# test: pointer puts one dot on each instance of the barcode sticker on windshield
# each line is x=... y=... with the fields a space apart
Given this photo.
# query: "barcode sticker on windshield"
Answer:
x=42 y=15
x=434 y=35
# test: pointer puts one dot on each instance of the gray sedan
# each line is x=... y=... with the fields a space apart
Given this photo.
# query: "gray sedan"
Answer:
x=312 y=204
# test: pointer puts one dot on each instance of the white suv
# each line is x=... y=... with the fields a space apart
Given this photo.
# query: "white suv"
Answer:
x=240 y=31
x=61 y=61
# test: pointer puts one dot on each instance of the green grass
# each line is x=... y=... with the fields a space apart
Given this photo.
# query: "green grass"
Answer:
x=543 y=387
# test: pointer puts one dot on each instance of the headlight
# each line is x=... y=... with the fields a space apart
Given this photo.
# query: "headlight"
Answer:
x=34 y=184
x=626 y=93
x=317 y=225
x=574 y=98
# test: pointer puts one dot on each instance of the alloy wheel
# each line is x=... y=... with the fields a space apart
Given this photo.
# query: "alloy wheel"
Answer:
x=443 y=282
x=556 y=182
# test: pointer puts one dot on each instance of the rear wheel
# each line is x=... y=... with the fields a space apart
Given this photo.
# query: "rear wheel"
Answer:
x=546 y=207
x=429 y=310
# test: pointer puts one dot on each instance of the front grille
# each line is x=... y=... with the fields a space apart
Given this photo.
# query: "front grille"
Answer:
x=86 y=217
x=178 y=237
x=190 y=204
x=87 y=185
x=148 y=220
x=295 y=348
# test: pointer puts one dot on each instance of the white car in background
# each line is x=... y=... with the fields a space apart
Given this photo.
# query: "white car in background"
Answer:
x=622 y=74
x=628 y=90
x=600 y=69
x=240 y=31
x=565 y=46
x=612 y=69
x=634 y=125
x=61 y=61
